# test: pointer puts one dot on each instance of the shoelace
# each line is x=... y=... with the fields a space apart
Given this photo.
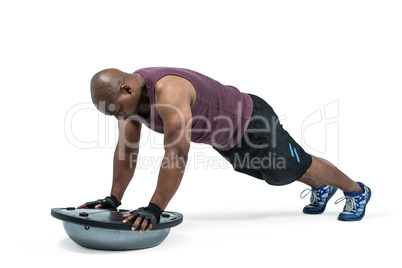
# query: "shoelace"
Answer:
x=313 y=197
x=350 y=203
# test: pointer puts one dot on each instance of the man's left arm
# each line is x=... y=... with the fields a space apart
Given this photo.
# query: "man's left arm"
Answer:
x=174 y=108
x=176 y=114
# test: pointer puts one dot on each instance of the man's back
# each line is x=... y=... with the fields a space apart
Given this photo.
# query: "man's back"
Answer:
x=220 y=114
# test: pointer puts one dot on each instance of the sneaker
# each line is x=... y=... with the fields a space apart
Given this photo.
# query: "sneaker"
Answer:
x=355 y=206
x=319 y=199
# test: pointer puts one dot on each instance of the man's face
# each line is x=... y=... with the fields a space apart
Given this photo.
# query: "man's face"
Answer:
x=121 y=106
x=125 y=105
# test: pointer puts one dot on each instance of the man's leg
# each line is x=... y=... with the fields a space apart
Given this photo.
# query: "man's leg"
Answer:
x=322 y=172
x=357 y=195
x=321 y=193
x=311 y=182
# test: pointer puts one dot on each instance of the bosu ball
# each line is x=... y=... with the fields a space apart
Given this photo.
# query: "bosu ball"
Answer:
x=103 y=228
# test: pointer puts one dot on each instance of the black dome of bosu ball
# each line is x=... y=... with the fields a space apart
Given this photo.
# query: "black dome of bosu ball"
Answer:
x=103 y=228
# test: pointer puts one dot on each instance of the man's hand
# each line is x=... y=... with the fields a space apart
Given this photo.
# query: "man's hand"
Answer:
x=145 y=217
x=107 y=202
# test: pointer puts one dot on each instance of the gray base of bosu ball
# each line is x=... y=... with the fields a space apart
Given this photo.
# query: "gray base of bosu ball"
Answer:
x=103 y=228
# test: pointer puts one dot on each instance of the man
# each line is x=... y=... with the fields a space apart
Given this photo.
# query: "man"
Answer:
x=190 y=107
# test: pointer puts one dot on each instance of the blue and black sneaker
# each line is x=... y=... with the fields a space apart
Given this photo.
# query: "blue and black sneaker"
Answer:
x=319 y=199
x=355 y=206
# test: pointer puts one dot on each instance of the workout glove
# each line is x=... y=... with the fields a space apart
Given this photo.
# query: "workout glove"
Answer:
x=107 y=202
x=151 y=213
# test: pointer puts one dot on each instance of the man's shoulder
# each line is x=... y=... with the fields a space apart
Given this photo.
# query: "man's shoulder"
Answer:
x=173 y=84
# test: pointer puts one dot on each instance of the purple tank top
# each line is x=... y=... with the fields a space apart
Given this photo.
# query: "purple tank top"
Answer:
x=220 y=113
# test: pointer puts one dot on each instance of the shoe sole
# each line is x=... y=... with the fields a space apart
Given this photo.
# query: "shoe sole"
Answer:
x=331 y=194
x=364 y=210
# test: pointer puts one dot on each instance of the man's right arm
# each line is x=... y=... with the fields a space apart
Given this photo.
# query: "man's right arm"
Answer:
x=125 y=156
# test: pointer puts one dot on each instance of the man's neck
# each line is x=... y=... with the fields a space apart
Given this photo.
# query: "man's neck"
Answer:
x=144 y=103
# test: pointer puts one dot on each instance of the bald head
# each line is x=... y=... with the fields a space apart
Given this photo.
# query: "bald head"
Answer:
x=117 y=93
x=106 y=84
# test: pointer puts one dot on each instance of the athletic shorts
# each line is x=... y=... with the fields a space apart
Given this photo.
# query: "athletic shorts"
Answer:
x=267 y=151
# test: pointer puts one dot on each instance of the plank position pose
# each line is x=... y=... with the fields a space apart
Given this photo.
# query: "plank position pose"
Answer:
x=186 y=107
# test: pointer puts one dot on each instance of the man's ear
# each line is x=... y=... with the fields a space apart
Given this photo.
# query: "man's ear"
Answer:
x=126 y=89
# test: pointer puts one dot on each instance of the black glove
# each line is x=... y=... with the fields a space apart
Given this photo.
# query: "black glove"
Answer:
x=151 y=213
x=108 y=202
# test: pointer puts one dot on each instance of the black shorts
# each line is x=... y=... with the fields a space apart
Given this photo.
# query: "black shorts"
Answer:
x=267 y=151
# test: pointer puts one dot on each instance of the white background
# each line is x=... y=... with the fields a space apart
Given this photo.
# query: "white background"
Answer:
x=298 y=55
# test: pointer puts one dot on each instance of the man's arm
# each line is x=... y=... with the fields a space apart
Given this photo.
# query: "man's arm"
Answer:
x=174 y=107
x=125 y=156
x=175 y=112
